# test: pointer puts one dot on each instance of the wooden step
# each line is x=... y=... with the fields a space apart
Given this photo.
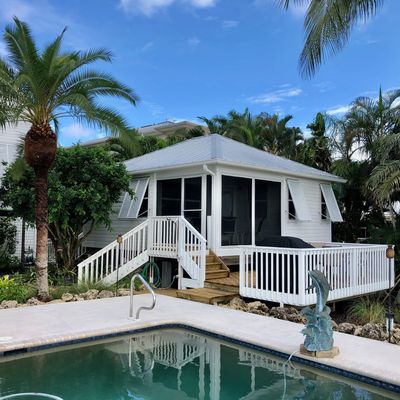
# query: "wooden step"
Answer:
x=222 y=287
x=205 y=295
x=217 y=274
x=210 y=258
x=214 y=266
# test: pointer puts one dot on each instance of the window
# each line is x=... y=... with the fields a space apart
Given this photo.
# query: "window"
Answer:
x=291 y=208
x=131 y=205
x=144 y=209
x=296 y=193
x=333 y=211
x=192 y=201
x=324 y=209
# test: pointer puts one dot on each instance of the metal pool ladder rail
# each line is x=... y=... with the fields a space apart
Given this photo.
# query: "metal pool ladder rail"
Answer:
x=149 y=288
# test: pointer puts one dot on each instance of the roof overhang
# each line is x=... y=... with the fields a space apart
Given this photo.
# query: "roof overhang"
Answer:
x=330 y=178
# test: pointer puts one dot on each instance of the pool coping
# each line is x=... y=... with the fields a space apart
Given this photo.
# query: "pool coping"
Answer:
x=41 y=343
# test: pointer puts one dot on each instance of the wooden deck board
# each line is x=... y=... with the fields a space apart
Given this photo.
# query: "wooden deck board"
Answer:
x=205 y=295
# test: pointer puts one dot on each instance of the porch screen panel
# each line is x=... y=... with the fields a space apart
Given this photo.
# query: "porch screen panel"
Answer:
x=192 y=201
x=169 y=197
x=299 y=200
x=267 y=210
x=331 y=203
x=236 y=211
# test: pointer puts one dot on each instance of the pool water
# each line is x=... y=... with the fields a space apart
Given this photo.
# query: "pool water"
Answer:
x=170 y=364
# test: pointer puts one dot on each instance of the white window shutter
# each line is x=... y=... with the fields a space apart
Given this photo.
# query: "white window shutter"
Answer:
x=331 y=203
x=126 y=203
x=138 y=198
x=299 y=200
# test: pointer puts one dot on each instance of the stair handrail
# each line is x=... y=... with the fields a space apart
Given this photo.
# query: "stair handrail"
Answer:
x=149 y=288
x=107 y=248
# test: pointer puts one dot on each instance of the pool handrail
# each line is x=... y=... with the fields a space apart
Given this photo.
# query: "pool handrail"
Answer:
x=149 y=288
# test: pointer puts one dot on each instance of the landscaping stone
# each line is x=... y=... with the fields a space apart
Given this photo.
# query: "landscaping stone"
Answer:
x=257 y=307
x=335 y=326
x=67 y=297
x=373 y=331
x=90 y=294
x=238 y=303
x=299 y=319
x=8 y=304
x=346 y=327
x=104 y=294
x=33 y=301
x=123 y=292
x=279 y=312
x=357 y=331
x=78 y=297
x=56 y=301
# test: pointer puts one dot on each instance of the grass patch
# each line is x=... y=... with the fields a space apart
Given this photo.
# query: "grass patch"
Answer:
x=367 y=310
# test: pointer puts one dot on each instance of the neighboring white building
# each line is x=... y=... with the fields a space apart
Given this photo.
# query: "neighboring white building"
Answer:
x=10 y=138
x=213 y=195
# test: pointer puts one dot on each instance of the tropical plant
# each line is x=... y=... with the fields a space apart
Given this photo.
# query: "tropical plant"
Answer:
x=41 y=88
x=367 y=310
x=316 y=151
x=12 y=289
x=264 y=131
x=328 y=25
x=84 y=183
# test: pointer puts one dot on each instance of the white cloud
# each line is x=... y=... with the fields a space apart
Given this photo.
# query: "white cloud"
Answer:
x=77 y=131
x=150 y=7
x=276 y=96
x=193 y=41
x=338 y=110
x=228 y=24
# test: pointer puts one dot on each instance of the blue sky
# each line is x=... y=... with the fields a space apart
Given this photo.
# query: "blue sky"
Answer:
x=189 y=58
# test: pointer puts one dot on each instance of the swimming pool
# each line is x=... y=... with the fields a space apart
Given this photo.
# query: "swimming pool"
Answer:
x=171 y=364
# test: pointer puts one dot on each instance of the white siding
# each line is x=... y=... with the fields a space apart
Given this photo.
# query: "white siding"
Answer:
x=315 y=230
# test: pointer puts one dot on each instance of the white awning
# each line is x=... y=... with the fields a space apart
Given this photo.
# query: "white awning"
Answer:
x=331 y=203
x=131 y=206
x=299 y=200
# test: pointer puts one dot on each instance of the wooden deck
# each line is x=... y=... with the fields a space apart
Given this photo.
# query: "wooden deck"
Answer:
x=205 y=295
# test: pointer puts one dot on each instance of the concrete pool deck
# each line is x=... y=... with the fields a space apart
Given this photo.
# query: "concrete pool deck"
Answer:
x=55 y=323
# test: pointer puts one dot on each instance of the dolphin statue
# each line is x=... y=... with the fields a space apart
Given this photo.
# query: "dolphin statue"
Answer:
x=322 y=286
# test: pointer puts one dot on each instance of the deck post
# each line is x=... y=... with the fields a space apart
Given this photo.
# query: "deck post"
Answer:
x=302 y=276
x=242 y=267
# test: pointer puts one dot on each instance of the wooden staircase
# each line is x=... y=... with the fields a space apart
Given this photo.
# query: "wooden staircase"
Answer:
x=215 y=267
x=215 y=270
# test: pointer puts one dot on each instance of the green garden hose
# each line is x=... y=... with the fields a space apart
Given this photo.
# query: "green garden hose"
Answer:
x=149 y=267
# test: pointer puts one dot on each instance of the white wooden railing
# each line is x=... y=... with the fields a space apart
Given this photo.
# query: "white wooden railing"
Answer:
x=168 y=237
x=113 y=262
x=281 y=275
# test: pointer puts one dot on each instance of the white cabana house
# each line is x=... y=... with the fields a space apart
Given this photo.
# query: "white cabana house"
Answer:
x=212 y=197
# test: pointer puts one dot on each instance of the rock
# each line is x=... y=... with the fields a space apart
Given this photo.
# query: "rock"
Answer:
x=33 y=301
x=238 y=303
x=373 y=331
x=278 y=312
x=291 y=310
x=357 y=331
x=56 y=301
x=90 y=294
x=257 y=307
x=396 y=336
x=67 y=297
x=299 y=319
x=104 y=294
x=123 y=292
x=78 y=297
x=346 y=327
x=9 y=304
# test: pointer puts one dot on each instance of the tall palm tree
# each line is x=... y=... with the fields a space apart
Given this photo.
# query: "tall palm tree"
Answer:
x=328 y=25
x=41 y=87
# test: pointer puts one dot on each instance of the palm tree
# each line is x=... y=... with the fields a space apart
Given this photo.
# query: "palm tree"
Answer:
x=327 y=25
x=41 y=87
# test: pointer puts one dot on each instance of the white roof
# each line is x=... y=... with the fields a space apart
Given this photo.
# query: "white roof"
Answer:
x=217 y=149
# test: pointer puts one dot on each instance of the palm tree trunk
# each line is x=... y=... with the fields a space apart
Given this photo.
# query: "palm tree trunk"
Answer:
x=41 y=217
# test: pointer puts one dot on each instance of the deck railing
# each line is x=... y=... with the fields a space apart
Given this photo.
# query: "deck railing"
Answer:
x=281 y=275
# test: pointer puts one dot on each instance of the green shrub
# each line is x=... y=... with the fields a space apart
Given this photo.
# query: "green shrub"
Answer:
x=13 y=289
x=8 y=232
x=366 y=310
